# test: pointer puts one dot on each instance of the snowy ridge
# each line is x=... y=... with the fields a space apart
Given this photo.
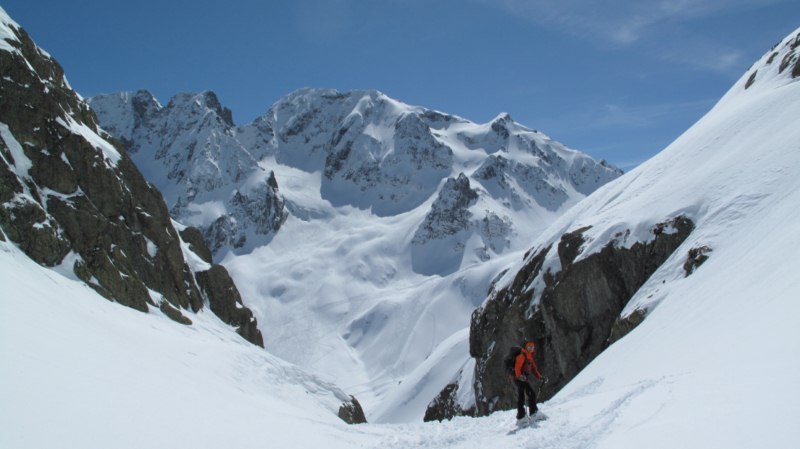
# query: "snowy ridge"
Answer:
x=686 y=178
x=778 y=67
x=72 y=200
x=10 y=42
x=374 y=152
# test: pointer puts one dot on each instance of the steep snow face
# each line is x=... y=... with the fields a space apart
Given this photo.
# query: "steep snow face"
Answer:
x=398 y=217
x=778 y=67
x=710 y=331
x=698 y=175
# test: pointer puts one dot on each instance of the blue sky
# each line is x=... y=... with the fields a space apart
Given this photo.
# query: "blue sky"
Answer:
x=619 y=80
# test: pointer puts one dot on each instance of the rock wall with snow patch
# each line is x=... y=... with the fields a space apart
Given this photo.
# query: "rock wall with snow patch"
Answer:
x=73 y=200
x=189 y=150
x=568 y=302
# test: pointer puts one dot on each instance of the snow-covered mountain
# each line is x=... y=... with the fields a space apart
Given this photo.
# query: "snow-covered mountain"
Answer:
x=713 y=364
x=189 y=150
x=374 y=153
x=385 y=222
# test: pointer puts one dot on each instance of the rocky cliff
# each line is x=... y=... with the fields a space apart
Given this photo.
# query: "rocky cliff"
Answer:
x=190 y=151
x=569 y=301
x=72 y=199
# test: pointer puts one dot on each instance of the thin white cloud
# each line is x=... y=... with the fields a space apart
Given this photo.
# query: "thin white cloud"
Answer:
x=321 y=21
x=642 y=116
x=706 y=56
x=619 y=22
x=621 y=116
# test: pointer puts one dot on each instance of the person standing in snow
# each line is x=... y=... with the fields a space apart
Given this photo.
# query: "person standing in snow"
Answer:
x=525 y=366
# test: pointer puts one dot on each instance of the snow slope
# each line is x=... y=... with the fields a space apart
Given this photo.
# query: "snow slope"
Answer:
x=715 y=361
x=93 y=374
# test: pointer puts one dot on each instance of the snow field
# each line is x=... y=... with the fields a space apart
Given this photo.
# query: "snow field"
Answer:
x=97 y=375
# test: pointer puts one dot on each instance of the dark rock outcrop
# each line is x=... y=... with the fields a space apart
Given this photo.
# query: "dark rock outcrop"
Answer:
x=226 y=302
x=450 y=213
x=446 y=227
x=571 y=314
x=194 y=237
x=351 y=412
x=696 y=257
x=625 y=324
x=445 y=406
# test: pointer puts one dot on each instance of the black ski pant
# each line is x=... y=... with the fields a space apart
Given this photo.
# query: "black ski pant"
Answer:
x=524 y=388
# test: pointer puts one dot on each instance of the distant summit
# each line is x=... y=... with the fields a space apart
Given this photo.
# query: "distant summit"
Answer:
x=374 y=153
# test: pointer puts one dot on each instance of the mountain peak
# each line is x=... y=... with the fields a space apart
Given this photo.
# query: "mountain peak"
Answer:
x=504 y=118
x=202 y=101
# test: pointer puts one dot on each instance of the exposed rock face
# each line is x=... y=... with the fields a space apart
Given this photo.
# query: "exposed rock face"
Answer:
x=446 y=406
x=449 y=213
x=351 y=412
x=569 y=313
x=189 y=150
x=226 y=302
x=445 y=228
x=697 y=256
x=393 y=180
x=499 y=174
x=71 y=198
x=197 y=245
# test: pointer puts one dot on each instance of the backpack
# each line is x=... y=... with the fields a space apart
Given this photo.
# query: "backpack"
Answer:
x=511 y=360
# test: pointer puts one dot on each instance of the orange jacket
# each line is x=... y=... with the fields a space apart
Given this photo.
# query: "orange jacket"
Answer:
x=526 y=365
